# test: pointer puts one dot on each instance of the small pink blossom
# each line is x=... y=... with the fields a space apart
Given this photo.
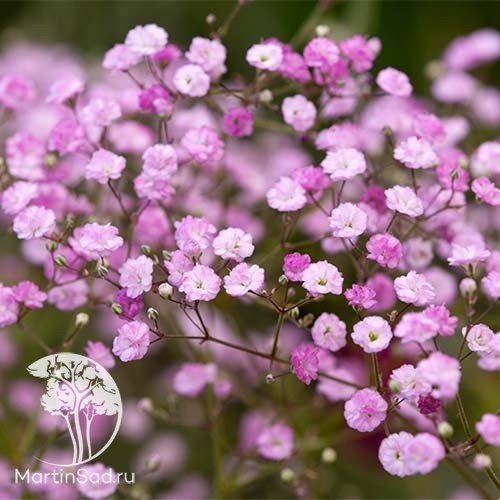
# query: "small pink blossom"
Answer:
x=478 y=337
x=204 y=146
x=64 y=89
x=120 y=58
x=423 y=453
x=209 y=54
x=266 y=56
x=329 y=332
x=101 y=112
x=442 y=373
x=365 y=410
x=468 y=255
x=192 y=378
x=405 y=382
x=244 y=278
x=193 y=235
x=294 y=265
x=489 y=428
x=177 y=266
x=275 y=442
x=347 y=221
x=104 y=166
x=136 y=276
x=201 y=283
x=384 y=249
x=9 y=307
x=132 y=341
x=394 y=82
x=304 y=362
x=486 y=191
x=360 y=296
x=414 y=289
x=322 y=277
x=360 y=52
x=156 y=99
x=69 y=296
x=17 y=196
x=95 y=240
x=233 y=244
x=34 y=222
x=298 y=112
x=372 y=334
x=238 y=122
x=286 y=195
x=392 y=453
x=321 y=52
x=403 y=199
x=311 y=178
x=344 y=164
x=16 y=91
x=146 y=40
x=491 y=284
x=25 y=155
x=100 y=353
x=415 y=153
x=160 y=161
x=191 y=80
x=29 y=294
x=130 y=307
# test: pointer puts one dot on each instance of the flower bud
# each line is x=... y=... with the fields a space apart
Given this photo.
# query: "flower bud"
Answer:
x=146 y=250
x=116 y=308
x=60 y=260
x=269 y=378
x=481 y=461
x=153 y=463
x=445 y=430
x=101 y=269
x=307 y=320
x=50 y=159
x=211 y=18
x=282 y=280
x=165 y=290
x=287 y=475
x=467 y=287
x=294 y=313
x=322 y=30
x=81 y=319
x=166 y=255
x=51 y=246
x=266 y=96
x=328 y=455
x=153 y=314
x=394 y=386
x=145 y=404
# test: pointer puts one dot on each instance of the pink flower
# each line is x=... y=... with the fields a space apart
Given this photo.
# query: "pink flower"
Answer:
x=359 y=51
x=418 y=253
x=298 y=112
x=479 y=337
x=394 y=82
x=311 y=178
x=321 y=52
x=17 y=196
x=360 y=296
x=95 y=240
x=156 y=99
x=203 y=145
x=100 y=353
x=372 y=334
x=191 y=80
x=467 y=255
x=233 y=244
x=34 y=222
x=101 y=112
x=266 y=56
x=486 y=191
x=177 y=266
x=414 y=289
x=136 y=276
x=454 y=87
x=275 y=442
x=209 y=54
x=322 y=277
x=405 y=382
x=193 y=235
x=104 y=166
x=403 y=199
x=130 y=307
x=416 y=327
x=69 y=296
x=120 y=58
x=201 y=283
x=64 y=89
x=491 y=284
x=485 y=159
x=344 y=164
x=101 y=481
x=429 y=127
x=442 y=373
x=329 y=332
x=445 y=323
x=489 y=428
x=16 y=91
x=238 y=122
x=132 y=341
x=29 y=294
x=392 y=453
x=304 y=362
x=416 y=153
x=146 y=40
x=365 y=410
x=192 y=378
x=384 y=249
x=67 y=136
x=160 y=161
x=25 y=156
x=243 y=279
x=347 y=221
x=286 y=195
x=423 y=453
x=294 y=265
x=9 y=307
x=384 y=291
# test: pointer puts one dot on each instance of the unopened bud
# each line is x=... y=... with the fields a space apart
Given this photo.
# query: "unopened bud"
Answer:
x=307 y=320
x=211 y=18
x=269 y=378
x=153 y=314
x=60 y=260
x=51 y=246
x=322 y=30
x=165 y=290
x=294 y=313
x=81 y=319
x=481 y=461
x=50 y=159
x=434 y=69
x=146 y=250
x=265 y=96
x=467 y=287
x=153 y=463
x=282 y=280
x=116 y=308
x=287 y=475
x=101 y=269
x=328 y=455
x=166 y=255
x=463 y=162
x=145 y=404
x=394 y=386
x=445 y=430
x=69 y=221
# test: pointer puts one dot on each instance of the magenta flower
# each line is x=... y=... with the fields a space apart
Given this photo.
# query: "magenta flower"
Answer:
x=394 y=82
x=304 y=362
x=238 y=122
x=294 y=264
x=360 y=296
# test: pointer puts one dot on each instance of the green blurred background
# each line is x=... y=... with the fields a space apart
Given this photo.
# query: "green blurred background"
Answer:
x=413 y=32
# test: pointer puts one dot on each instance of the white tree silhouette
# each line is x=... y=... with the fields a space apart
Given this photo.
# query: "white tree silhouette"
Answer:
x=76 y=385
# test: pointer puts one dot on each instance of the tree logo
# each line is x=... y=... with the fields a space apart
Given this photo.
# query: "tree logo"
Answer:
x=79 y=390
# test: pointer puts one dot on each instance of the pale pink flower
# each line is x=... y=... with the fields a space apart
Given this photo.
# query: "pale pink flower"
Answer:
x=95 y=240
x=104 y=166
x=275 y=442
x=25 y=155
x=201 y=283
x=192 y=378
x=392 y=453
x=322 y=277
x=489 y=428
x=414 y=289
x=286 y=195
x=177 y=266
x=132 y=341
x=244 y=278
x=29 y=294
x=384 y=249
x=304 y=362
x=365 y=410
x=344 y=164
x=266 y=56
x=403 y=199
x=233 y=244
x=478 y=337
x=442 y=373
x=136 y=276
x=406 y=382
x=321 y=52
x=416 y=153
x=160 y=161
x=372 y=334
x=101 y=112
x=329 y=332
x=69 y=296
x=64 y=89
x=34 y=222
x=203 y=145
x=394 y=82
x=491 y=284
x=16 y=91
x=347 y=221
x=18 y=196
x=146 y=40
x=100 y=353
x=101 y=481
x=468 y=255
x=9 y=307
x=209 y=54
x=120 y=58
x=298 y=112
x=423 y=453
x=193 y=235
x=191 y=80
